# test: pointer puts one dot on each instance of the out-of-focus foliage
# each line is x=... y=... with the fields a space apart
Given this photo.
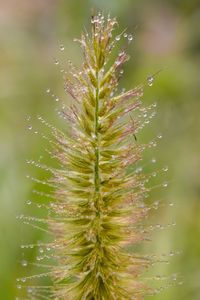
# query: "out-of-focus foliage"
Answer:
x=166 y=36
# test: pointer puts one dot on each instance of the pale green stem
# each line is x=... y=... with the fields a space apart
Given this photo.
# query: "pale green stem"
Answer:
x=96 y=168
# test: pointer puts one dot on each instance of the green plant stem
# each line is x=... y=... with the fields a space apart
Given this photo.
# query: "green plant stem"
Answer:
x=97 y=175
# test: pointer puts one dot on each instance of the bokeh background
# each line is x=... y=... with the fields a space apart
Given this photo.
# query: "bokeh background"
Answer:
x=166 y=36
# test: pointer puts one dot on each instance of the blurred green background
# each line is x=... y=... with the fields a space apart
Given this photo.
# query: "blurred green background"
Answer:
x=166 y=36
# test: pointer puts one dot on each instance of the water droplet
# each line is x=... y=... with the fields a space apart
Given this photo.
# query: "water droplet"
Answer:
x=30 y=127
x=117 y=38
x=56 y=62
x=19 y=286
x=154 y=104
x=28 y=202
x=159 y=136
x=155 y=206
x=24 y=263
x=165 y=169
x=138 y=170
x=174 y=277
x=171 y=204
x=150 y=80
x=41 y=250
x=130 y=37
x=121 y=72
x=62 y=48
x=125 y=34
x=28 y=118
x=165 y=184
x=48 y=91
x=153 y=160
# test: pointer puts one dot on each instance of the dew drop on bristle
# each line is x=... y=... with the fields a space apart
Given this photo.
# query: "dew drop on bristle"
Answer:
x=165 y=168
x=117 y=38
x=28 y=202
x=150 y=80
x=154 y=104
x=62 y=48
x=30 y=127
x=154 y=144
x=125 y=34
x=159 y=136
x=48 y=91
x=56 y=62
x=24 y=263
x=130 y=38
x=165 y=184
x=138 y=170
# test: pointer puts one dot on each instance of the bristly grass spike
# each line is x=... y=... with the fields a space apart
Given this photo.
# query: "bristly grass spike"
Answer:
x=97 y=201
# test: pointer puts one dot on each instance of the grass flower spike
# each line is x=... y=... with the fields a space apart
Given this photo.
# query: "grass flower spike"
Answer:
x=98 y=192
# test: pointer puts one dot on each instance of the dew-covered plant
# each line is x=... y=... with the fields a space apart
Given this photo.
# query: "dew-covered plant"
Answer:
x=98 y=192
